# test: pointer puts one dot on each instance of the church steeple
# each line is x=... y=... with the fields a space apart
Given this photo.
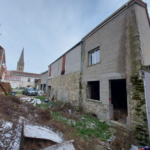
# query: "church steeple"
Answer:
x=20 y=64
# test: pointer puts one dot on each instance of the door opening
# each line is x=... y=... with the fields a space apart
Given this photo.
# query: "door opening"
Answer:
x=119 y=99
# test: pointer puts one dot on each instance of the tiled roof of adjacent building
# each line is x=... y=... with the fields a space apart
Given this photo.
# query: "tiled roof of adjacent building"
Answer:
x=25 y=74
x=13 y=78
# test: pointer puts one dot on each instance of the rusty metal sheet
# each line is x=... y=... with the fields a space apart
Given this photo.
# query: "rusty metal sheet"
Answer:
x=63 y=146
x=41 y=133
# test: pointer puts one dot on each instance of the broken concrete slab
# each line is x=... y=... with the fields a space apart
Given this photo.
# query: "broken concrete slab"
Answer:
x=41 y=133
x=63 y=146
x=15 y=143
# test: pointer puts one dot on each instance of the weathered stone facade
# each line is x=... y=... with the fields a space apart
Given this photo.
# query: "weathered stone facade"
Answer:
x=66 y=87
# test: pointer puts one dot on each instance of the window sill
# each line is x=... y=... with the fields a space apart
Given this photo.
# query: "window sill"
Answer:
x=93 y=100
x=93 y=65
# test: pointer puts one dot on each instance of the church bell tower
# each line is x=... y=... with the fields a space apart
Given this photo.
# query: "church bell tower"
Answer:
x=20 y=64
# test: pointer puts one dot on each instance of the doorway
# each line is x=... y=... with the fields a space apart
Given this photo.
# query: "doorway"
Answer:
x=119 y=99
x=49 y=90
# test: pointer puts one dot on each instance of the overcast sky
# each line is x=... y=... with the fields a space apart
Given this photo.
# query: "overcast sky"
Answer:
x=48 y=28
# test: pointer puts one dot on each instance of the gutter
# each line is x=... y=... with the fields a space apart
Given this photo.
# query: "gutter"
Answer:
x=81 y=58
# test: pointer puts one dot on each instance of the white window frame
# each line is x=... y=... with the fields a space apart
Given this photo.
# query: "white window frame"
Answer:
x=95 y=54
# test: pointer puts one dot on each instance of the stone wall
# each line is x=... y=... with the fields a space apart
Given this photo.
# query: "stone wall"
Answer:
x=66 y=87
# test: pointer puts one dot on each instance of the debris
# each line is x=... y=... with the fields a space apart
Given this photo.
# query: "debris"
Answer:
x=69 y=111
x=40 y=133
x=50 y=105
x=37 y=101
x=15 y=142
x=40 y=93
x=46 y=100
x=51 y=97
x=134 y=147
x=63 y=146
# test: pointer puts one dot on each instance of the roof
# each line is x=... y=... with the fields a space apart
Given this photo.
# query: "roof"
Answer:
x=21 y=60
x=66 y=52
x=116 y=13
x=8 y=72
x=7 y=77
x=27 y=74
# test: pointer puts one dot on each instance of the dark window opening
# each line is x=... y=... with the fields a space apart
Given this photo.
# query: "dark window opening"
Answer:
x=63 y=65
x=119 y=99
x=28 y=79
x=49 y=71
x=49 y=90
x=93 y=90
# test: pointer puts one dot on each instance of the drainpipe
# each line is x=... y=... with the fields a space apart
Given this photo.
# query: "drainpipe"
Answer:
x=81 y=58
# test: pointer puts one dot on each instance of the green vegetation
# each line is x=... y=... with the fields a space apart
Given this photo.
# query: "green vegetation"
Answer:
x=43 y=106
x=42 y=98
x=18 y=92
x=87 y=127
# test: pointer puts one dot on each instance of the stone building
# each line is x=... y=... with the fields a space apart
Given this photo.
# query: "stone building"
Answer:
x=21 y=79
x=43 y=83
x=99 y=73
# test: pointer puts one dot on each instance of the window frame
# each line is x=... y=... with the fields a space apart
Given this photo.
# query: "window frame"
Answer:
x=90 y=56
x=29 y=79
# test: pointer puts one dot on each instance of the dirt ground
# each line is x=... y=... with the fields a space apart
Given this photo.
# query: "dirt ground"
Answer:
x=11 y=108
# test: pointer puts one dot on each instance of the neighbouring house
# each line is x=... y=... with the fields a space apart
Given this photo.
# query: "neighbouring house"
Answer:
x=21 y=79
x=37 y=84
x=100 y=73
x=44 y=77
x=2 y=63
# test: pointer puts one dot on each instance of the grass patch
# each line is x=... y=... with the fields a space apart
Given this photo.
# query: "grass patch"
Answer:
x=18 y=92
x=87 y=127
x=43 y=106
x=42 y=98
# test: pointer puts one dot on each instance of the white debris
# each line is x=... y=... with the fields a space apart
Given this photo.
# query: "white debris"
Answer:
x=41 y=133
x=69 y=111
x=15 y=142
x=37 y=101
x=5 y=125
x=31 y=100
x=40 y=92
x=134 y=147
x=63 y=146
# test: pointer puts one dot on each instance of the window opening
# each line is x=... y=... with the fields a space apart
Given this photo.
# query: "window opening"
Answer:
x=28 y=79
x=63 y=65
x=94 y=90
x=49 y=71
x=94 y=57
